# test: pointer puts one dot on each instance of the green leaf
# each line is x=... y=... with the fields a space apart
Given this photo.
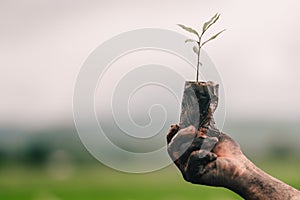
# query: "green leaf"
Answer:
x=209 y=23
x=212 y=38
x=195 y=49
x=204 y=28
x=190 y=40
x=214 y=21
x=188 y=29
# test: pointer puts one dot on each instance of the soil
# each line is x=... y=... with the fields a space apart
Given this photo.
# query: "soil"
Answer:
x=199 y=102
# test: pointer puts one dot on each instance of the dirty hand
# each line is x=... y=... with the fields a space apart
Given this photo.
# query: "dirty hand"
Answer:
x=205 y=160
x=220 y=162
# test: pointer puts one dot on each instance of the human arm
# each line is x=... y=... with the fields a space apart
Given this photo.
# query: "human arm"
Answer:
x=224 y=165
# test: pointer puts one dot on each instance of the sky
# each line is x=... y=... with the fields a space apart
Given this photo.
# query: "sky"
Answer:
x=43 y=45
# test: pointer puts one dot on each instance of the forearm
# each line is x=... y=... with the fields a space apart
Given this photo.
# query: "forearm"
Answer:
x=254 y=184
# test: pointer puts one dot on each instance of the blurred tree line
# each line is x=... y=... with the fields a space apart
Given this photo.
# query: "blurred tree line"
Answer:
x=35 y=148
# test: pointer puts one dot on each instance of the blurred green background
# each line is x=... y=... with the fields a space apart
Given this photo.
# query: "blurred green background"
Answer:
x=53 y=165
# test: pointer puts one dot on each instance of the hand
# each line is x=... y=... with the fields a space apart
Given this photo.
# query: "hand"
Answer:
x=205 y=160
x=220 y=162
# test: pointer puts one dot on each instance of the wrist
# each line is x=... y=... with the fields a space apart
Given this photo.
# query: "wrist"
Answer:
x=253 y=183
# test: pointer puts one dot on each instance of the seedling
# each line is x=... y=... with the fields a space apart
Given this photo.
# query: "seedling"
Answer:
x=198 y=41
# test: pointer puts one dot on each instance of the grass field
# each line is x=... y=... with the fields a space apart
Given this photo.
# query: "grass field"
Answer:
x=98 y=182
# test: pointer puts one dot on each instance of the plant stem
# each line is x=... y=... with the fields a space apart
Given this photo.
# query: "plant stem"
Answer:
x=198 y=59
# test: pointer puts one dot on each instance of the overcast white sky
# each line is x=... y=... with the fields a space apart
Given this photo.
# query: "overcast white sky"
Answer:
x=43 y=44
